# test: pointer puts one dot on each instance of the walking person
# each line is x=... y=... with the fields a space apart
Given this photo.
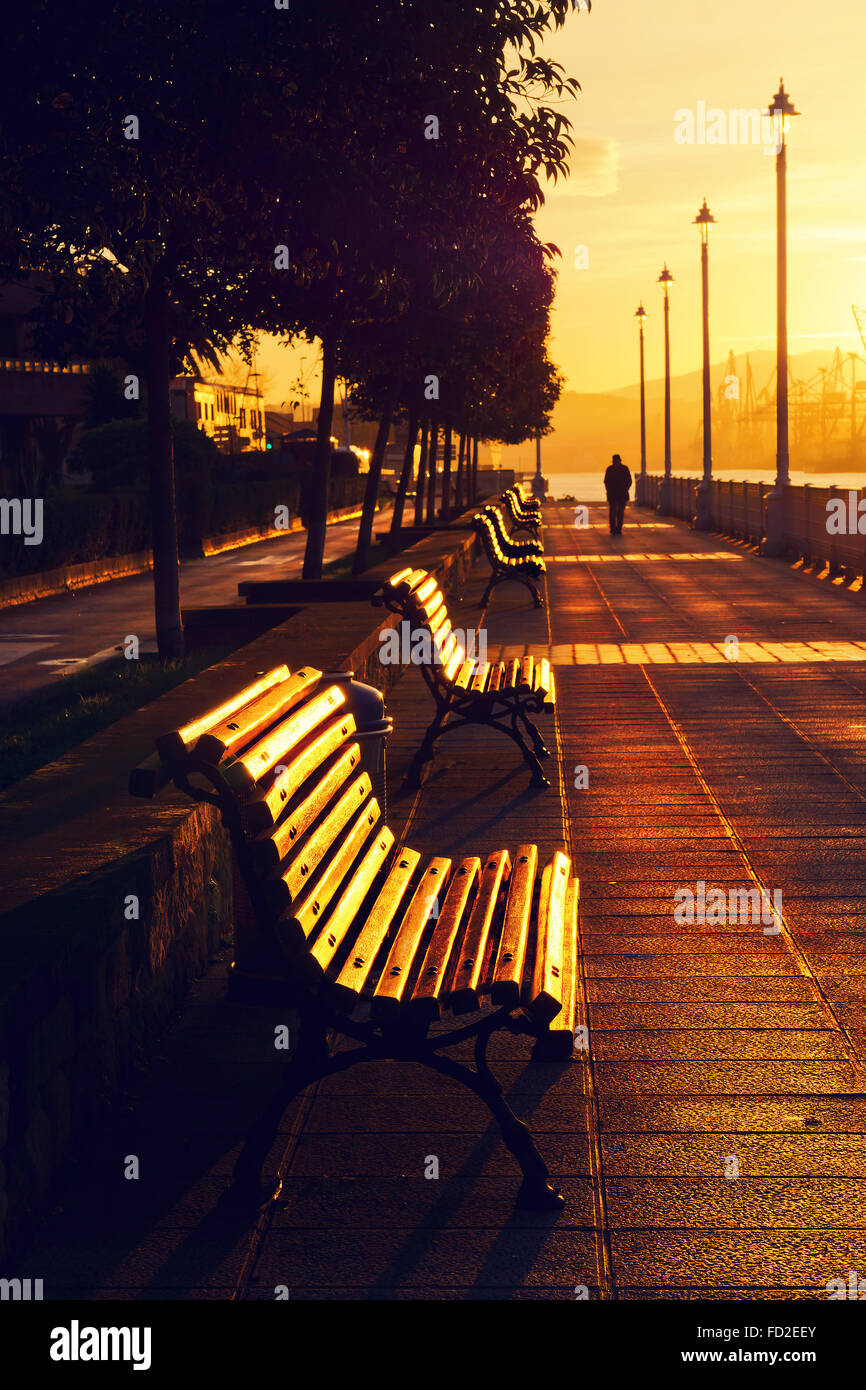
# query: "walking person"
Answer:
x=617 y=483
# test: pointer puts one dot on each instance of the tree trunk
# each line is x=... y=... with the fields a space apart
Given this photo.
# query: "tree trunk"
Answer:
x=446 y=476
x=431 y=472
x=475 y=472
x=422 y=475
x=160 y=450
x=317 y=501
x=365 y=529
x=405 y=475
x=459 y=488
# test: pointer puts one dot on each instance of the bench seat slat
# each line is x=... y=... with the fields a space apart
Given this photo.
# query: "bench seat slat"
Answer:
x=361 y=959
x=546 y=992
x=511 y=956
x=463 y=996
x=557 y=1041
x=398 y=966
x=479 y=676
x=429 y=987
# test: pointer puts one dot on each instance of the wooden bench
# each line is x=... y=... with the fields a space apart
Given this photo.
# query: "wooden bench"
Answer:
x=510 y=545
x=500 y=695
x=523 y=516
x=375 y=941
x=526 y=570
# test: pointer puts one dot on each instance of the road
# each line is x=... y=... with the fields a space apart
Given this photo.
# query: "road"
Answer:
x=51 y=637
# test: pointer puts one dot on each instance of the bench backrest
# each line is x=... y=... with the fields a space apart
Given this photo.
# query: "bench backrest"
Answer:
x=417 y=598
x=508 y=544
x=521 y=507
x=291 y=765
x=497 y=556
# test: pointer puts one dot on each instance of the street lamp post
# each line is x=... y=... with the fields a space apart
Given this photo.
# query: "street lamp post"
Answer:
x=704 y=516
x=666 y=500
x=539 y=484
x=640 y=489
x=781 y=110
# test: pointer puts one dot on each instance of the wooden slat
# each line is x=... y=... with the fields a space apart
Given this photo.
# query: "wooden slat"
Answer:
x=479 y=676
x=527 y=667
x=512 y=672
x=395 y=973
x=266 y=810
x=497 y=675
x=354 y=974
x=558 y=1040
x=427 y=994
x=174 y=744
x=541 y=676
x=303 y=864
x=310 y=909
x=277 y=745
x=454 y=663
x=244 y=724
x=426 y=590
x=546 y=992
x=511 y=956
x=342 y=917
x=464 y=674
x=270 y=852
x=463 y=995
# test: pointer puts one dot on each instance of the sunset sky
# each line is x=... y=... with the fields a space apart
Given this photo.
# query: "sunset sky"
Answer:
x=634 y=190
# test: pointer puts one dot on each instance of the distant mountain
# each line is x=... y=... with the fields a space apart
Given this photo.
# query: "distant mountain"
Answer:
x=589 y=427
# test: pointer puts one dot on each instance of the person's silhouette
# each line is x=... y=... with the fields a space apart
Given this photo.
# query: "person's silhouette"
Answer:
x=617 y=483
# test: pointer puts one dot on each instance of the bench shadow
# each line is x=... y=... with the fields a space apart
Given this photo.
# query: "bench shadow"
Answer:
x=456 y=1192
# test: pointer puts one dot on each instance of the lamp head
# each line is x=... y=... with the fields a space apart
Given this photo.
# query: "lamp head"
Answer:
x=780 y=111
x=666 y=279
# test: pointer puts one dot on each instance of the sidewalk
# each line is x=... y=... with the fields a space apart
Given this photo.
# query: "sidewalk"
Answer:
x=717 y=1048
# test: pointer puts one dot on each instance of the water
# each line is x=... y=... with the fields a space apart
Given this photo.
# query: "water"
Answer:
x=589 y=487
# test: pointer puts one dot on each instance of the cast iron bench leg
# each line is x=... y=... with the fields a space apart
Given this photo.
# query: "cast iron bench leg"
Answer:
x=541 y=748
x=536 y=1193
x=308 y=1065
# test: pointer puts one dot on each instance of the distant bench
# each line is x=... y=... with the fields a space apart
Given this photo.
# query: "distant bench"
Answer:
x=525 y=568
x=524 y=516
x=500 y=695
x=370 y=939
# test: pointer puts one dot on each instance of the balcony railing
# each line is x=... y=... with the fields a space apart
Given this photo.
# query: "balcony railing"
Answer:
x=739 y=509
x=32 y=364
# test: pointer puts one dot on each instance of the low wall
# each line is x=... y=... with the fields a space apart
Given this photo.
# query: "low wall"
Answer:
x=27 y=587
x=112 y=906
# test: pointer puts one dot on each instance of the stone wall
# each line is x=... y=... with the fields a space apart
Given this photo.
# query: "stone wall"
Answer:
x=111 y=906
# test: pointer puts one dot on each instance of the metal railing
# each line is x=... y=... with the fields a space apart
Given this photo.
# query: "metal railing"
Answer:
x=739 y=509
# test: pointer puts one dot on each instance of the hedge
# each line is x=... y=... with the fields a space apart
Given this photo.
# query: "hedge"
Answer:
x=80 y=526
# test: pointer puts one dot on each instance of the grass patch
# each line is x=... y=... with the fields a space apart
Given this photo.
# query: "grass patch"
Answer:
x=42 y=727
x=342 y=568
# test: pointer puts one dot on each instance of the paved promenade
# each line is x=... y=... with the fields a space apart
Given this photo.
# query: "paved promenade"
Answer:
x=710 y=731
